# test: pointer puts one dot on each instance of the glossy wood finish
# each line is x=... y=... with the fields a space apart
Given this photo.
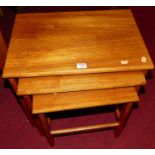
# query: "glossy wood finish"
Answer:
x=54 y=84
x=84 y=128
x=45 y=44
x=82 y=99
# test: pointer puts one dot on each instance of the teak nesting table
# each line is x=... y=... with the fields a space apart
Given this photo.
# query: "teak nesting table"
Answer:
x=73 y=60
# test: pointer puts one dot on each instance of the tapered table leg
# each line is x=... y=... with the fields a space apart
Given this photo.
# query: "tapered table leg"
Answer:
x=46 y=128
x=35 y=121
x=123 y=118
x=26 y=110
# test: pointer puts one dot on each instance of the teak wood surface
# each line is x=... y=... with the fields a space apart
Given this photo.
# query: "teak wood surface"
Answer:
x=67 y=83
x=82 y=99
x=44 y=44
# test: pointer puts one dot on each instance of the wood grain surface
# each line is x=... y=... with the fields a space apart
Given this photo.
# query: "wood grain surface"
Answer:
x=82 y=99
x=44 y=44
x=67 y=83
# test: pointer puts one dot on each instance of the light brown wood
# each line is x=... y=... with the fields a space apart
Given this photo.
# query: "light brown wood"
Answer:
x=54 y=84
x=82 y=99
x=44 y=44
x=117 y=112
x=3 y=51
x=84 y=128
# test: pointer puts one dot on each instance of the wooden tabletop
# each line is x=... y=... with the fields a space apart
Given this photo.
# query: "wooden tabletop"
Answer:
x=44 y=44
x=69 y=83
x=82 y=99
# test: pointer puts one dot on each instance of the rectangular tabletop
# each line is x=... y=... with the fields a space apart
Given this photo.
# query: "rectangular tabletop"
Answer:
x=44 y=44
x=82 y=99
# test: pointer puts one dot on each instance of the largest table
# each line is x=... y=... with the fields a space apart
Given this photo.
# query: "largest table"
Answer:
x=45 y=44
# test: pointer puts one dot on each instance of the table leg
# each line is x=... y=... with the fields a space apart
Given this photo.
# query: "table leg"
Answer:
x=123 y=118
x=117 y=112
x=13 y=83
x=46 y=127
x=27 y=111
x=23 y=102
x=26 y=104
